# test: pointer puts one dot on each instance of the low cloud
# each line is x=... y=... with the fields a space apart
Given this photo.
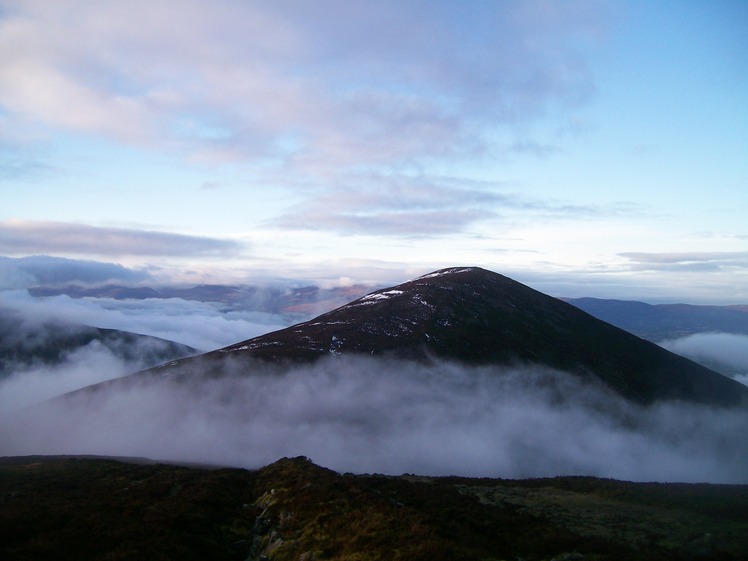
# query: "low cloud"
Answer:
x=43 y=356
x=22 y=236
x=371 y=415
x=724 y=352
x=202 y=325
x=28 y=384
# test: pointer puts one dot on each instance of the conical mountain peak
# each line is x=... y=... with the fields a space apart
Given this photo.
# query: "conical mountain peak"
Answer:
x=475 y=316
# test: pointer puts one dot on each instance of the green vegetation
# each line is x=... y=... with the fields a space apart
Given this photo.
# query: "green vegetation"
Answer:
x=97 y=509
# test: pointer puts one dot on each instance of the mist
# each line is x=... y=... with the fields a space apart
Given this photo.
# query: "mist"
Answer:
x=367 y=415
x=725 y=352
x=202 y=325
x=28 y=384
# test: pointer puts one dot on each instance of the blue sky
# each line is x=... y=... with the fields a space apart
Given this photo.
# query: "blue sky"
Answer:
x=585 y=148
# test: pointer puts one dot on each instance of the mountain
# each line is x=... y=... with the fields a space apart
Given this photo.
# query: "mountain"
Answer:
x=657 y=322
x=474 y=316
x=97 y=508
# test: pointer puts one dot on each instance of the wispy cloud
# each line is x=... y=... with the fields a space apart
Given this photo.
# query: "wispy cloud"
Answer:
x=23 y=237
x=396 y=205
x=414 y=205
x=15 y=164
x=688 y=261
x=322 y=86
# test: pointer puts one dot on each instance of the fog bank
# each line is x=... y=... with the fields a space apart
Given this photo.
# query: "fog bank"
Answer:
x=725 y=352
x=375 y=415
x=203 y=325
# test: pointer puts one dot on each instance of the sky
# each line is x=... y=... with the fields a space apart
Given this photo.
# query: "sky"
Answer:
x=586 y=148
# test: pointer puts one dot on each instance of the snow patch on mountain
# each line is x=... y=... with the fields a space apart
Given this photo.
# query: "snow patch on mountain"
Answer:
x=444 y=272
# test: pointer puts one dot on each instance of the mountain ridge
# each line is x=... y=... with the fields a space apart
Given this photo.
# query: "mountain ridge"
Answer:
x=474 y=316
x=658 y=322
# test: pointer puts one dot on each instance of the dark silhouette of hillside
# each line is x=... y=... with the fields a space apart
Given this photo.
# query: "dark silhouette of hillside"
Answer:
x=96 y=508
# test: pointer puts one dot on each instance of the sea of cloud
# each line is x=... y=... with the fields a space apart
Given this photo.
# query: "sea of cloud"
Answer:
x=351 y=414
x=202 y=325
x=363 y=414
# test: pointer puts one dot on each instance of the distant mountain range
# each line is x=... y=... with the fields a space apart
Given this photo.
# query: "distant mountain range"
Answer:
x=658 y=322
x=474 y=316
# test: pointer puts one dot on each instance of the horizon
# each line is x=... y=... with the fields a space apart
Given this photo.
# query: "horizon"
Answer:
x=584 y=149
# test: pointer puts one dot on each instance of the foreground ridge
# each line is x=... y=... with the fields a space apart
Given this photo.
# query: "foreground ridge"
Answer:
x=89 y=509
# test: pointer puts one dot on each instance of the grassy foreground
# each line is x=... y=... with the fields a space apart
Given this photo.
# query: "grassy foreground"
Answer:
x=93 y=508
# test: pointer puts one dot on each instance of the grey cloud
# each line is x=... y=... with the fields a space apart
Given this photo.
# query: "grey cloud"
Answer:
x=20 y=236
x=24 y=272
x=366 y=415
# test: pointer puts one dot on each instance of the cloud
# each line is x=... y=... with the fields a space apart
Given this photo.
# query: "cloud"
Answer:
x=24 y=272
x=724 y=352
x=321 y=86
x=367 y=415
x=16 y=165
x=21 y=236
x=28 y=384
x=396 y=205
x=202 y=325
x=403 y=204
x=704 y=261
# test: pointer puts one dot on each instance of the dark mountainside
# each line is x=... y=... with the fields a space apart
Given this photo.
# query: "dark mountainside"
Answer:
x=657 y=322
x=25 y=343
x=478 y=317
x=102 y=509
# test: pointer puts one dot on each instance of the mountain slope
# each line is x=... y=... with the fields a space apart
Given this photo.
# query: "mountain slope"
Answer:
x=94 y=508
x=479 y=317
